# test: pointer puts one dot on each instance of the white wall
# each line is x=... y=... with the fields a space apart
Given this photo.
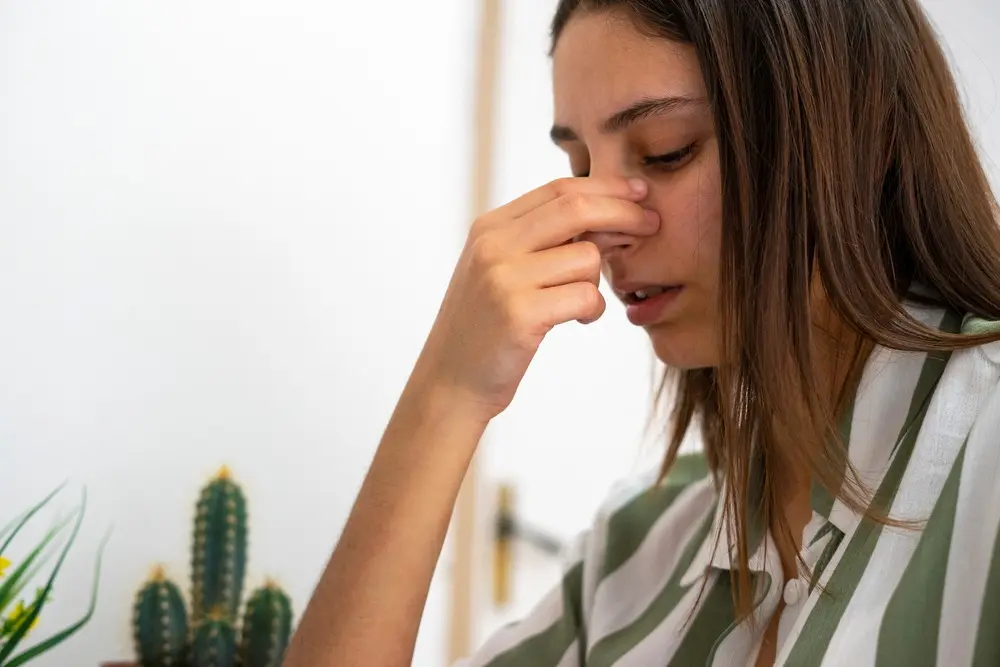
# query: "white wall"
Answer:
x=576 y=424
x=224 y=231
x=225 y=228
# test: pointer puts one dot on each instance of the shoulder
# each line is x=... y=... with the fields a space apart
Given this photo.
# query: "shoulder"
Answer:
x=975 y=325
x=963 y=361
x=647 y=507
x=638 y=500
x=636 y=513
x=642 y=515
x=957 y=386
x=981 y=360
x=979 y=370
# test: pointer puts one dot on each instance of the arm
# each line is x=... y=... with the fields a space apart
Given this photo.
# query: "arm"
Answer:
x=520 y=274
x=367 y=607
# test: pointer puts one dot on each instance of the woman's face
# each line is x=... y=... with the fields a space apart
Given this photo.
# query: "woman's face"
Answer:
x=633 y=106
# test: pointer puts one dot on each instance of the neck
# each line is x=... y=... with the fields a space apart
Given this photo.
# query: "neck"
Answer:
x=838 y=352
x=838 y=356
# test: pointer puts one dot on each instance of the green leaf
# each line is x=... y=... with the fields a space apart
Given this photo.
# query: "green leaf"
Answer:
x=18 y=523
x=22 y=629
x=13 y=522
x=18 y=579
x=30 y=576
x=66 y=633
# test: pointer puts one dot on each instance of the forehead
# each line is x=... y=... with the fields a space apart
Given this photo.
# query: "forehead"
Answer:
x=601 y=63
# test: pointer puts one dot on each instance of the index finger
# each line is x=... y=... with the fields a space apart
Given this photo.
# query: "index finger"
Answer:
x=634 y=189
x=566 y=218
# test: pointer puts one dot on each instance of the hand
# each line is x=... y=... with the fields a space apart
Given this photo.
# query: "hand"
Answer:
x=522 y=272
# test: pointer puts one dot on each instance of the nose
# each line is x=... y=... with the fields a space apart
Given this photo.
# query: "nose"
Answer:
x=615 y=242
x=610 y=242
x=608 y=163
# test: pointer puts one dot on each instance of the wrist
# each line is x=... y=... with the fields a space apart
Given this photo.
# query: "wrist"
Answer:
x=431 y=439
x=436 y=394
x=435 y=402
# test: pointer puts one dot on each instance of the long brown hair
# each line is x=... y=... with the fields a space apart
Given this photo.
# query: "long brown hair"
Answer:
x=847 y=163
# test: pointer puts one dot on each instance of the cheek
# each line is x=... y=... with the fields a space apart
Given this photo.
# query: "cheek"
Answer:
x=690 y=206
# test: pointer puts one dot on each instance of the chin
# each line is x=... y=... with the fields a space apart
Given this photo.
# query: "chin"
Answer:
x=684 y=350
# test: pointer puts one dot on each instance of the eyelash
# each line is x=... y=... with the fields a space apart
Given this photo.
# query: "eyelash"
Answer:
x=670 y=159
x=667 y=162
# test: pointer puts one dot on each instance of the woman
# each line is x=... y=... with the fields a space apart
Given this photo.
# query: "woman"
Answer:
x=785 y=195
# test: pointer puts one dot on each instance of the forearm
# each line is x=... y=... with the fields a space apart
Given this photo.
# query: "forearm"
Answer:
x=367 y=607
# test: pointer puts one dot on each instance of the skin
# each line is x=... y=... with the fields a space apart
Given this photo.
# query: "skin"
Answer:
x=527 y=267
x=602 y=65
x=520 y=274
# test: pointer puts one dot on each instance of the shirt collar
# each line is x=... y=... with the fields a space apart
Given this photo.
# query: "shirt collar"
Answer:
x=884 y=374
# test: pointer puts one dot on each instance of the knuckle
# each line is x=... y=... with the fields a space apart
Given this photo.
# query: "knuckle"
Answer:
x=590 y=298
x=560 y=187
x=485 y=250
x=591 y=254
x=575 y=204
x=478 y=226
x=483 y=225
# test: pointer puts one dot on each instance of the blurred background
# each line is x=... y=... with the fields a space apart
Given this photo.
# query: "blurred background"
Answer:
x=225 y=229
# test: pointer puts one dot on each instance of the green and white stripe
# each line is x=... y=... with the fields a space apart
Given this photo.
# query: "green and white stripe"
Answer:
x=643 y=586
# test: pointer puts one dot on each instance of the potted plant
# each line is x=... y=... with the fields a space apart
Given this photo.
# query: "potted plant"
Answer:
x=20 y=614
x=214 y=632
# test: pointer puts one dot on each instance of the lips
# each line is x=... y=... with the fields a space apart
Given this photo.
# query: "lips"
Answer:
x=649 y=309
x=634 y=293
x=640 y=295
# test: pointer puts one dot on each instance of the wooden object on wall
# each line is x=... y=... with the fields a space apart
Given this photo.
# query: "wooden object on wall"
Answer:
x=463 y=571
x=503 y=534
x=509 y=528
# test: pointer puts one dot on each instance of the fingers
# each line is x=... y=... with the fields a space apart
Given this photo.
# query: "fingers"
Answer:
x=630 y=189
x=530 y=257
x=576 y=262
x=562 y=219
x=553 y=306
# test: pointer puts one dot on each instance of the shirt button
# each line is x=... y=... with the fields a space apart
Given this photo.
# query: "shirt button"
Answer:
x=795 y=592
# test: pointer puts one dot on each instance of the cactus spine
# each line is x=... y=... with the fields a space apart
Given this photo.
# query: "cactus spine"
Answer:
x=164 y=636
x=218 y=559
x=214 y=642
x=160 y=623
x=267 y=626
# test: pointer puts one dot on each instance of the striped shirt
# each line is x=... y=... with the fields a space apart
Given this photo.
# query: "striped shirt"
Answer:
x=923 y=432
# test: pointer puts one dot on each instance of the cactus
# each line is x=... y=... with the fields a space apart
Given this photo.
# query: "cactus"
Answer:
x=266 y=628
x=218 y=559
x=163 y=634
x=160 y=623
x=214 y=642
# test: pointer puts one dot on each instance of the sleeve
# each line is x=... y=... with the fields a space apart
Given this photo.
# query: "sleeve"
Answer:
x=553 y=633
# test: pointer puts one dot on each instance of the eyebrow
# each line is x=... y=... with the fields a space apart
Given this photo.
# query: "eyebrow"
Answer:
x=637 y=111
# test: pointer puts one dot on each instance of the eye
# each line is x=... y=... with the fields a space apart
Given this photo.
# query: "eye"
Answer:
x=669 y=160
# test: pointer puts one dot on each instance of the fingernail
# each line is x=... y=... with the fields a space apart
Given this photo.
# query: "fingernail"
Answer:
x=653 y=217
x=638 y=185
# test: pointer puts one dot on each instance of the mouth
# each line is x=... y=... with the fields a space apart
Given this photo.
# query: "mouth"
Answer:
x=645 y=304
x=644 y=293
